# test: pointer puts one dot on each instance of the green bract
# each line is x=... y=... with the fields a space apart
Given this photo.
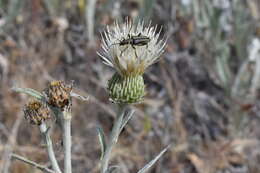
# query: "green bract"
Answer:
x=126 y=89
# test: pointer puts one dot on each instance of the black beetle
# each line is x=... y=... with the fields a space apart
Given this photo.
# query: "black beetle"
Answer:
x=139 y=40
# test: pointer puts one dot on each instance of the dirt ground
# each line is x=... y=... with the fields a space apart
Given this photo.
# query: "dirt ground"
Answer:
x=203 y=95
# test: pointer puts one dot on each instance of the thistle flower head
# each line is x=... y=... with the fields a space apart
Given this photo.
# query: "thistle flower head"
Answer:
x=36 y=112
x=58 y=95
x=131 y=49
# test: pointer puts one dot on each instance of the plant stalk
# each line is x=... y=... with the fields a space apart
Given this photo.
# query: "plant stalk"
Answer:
x=113 y=138
x=32 y=163
x=45 y=133
x=67 y=141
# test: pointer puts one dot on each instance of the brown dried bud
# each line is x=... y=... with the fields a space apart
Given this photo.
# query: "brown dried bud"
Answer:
x=35 y=112
x=58 y=94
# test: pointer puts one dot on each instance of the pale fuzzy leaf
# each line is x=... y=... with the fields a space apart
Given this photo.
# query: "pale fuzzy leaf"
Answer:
x=152 y=162
x=30 y=92
x=102 y=141
x=80 y=97
x=126 y=119
x=113 y=169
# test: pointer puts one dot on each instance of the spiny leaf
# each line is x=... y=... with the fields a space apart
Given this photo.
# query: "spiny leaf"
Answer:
x=80 y=97
x=126 y=119
x=101 y=137
x=30 y=92
x=152 y=162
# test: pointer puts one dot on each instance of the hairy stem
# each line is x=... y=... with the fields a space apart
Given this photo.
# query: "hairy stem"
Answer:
x=113 y=138
x=67 y=141
x=32 y=163
x=45 y=133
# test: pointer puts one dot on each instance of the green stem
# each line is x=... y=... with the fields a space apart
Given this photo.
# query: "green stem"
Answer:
x=47 y=138
x=113 y=138
x=67 y=141
x=34 y=164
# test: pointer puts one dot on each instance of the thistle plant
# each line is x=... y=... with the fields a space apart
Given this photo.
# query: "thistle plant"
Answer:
x=129 y=49
x=57 y=98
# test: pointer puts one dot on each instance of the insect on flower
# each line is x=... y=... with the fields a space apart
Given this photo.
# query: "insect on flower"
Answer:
x=130 y=49
x=122 y=44
x=139 y=40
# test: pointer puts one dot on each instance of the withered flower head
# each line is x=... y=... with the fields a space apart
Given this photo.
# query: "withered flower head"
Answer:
x=36 y=112
x=58 y=94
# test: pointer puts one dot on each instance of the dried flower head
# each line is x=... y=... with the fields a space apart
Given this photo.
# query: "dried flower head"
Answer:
x=58 y=94
x=36 y=112
x=131 y=49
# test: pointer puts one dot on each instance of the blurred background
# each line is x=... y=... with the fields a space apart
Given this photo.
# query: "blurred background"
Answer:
x=203 y=96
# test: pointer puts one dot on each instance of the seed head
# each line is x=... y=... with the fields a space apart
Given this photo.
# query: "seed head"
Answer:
x=132 y=58
x=58 y=94
x=36 y=112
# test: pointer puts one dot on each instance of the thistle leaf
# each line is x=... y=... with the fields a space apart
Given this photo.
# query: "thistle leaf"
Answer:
x=30 y=92
x=112 y=169
x=152 y=162
x=101 y=137
x=126 y=119
x=80 y=97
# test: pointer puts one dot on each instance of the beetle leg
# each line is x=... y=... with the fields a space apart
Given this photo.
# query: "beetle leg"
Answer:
x=135 y=51
x=136 y=54
x=123 y=51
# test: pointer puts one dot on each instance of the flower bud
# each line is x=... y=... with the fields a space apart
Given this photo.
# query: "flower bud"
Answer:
x=126 y=89
x=36 y=113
